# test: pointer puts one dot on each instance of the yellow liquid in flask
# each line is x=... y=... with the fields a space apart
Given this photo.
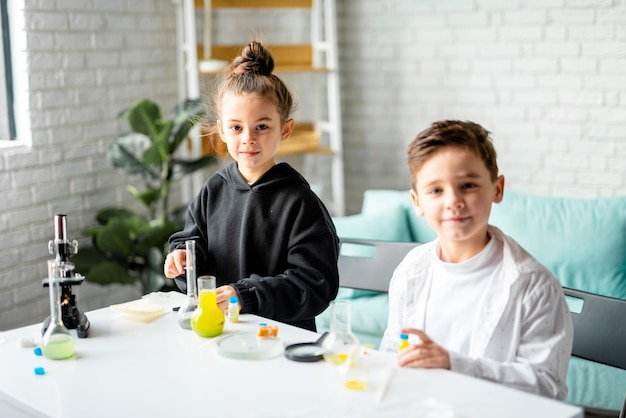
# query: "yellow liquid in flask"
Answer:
x=208 y=319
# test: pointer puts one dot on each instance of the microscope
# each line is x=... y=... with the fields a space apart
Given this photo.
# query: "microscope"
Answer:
x=63 y=248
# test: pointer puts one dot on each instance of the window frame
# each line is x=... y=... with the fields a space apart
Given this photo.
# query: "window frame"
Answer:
x=8 y=73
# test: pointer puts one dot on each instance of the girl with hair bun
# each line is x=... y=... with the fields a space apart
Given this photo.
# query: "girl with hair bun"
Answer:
x=258 y=226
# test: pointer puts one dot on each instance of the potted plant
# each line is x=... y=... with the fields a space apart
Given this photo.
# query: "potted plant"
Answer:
x=128 y=246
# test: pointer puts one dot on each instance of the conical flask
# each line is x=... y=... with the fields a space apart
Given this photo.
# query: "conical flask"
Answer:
x=341 y=348
x=57 y=342
x=191 y=301
x=208 y=319
x=340 y=342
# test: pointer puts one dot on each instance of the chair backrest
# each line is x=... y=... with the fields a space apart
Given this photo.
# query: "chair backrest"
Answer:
x=599 y=327
x=369 y=264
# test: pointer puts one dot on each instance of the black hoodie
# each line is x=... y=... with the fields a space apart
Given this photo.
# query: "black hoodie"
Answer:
x=273 y=241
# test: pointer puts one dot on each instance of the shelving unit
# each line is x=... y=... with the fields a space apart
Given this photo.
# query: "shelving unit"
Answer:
x=319 y=138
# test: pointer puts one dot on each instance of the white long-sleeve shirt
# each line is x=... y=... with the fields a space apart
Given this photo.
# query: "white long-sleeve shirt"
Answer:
x=522 y=332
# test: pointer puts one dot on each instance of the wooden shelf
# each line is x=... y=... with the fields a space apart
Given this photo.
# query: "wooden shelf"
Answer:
x=307 y=63
x=256 y=4
x=287 y=58
x=303 y=140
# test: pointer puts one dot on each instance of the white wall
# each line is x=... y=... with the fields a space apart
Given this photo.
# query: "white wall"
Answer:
x=546 y=77
x=84 y=61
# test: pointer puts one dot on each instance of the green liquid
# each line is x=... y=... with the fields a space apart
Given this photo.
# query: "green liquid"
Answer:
x=59 y=347
x=185 y=323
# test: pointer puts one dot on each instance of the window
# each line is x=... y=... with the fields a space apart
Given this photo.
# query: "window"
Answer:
x=7 y=119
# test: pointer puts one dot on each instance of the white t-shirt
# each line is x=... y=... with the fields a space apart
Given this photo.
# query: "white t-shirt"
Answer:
x=456 y=292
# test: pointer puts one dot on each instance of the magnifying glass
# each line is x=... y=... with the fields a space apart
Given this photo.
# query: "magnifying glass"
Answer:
x=306 y=352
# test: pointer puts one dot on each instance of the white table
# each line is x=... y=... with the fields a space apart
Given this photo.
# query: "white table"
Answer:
x=127 y=368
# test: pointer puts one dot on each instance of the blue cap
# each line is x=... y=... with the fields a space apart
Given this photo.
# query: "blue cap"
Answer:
x=233 y=299
x=37 y=351
x=39 y=370
x=404 y=336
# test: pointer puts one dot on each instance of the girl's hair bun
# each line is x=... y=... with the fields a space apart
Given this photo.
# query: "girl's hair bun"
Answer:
x=254 y=59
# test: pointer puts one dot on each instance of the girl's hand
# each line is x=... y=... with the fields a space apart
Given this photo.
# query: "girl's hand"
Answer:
x=223 y=293
x=425 y=355
x=175 y=263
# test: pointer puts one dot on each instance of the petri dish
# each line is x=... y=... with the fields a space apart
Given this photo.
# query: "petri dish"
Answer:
x=248 y=346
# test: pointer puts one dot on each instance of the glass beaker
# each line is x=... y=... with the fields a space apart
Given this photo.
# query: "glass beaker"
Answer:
x=57 y=342
x=186 y=310
x=208 y=319
x=342 y=349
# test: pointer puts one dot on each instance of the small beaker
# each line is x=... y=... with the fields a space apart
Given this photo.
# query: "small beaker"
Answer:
x=189 y=305
x=57 y=342
x=354 y=372
x=208 y=318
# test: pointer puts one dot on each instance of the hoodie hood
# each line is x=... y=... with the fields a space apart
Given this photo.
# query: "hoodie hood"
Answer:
x=277 y=177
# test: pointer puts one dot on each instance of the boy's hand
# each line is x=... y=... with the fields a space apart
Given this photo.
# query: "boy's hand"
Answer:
x=425 y=355
x=175 y=263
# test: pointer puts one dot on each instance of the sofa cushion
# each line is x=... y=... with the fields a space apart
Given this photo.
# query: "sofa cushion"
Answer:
x=389 y=225
x=582 y=241
x=378 y=200
x=595 y=385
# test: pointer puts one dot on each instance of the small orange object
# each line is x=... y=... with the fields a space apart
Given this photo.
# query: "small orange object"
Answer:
x=267 y=331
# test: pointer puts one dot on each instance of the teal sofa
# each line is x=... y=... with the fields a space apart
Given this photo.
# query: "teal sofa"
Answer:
x=582 y=241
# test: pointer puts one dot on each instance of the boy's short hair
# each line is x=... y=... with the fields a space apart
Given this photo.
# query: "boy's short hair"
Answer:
x=452 y=133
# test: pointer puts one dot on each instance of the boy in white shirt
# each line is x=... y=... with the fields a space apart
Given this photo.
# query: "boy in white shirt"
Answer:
x=477 y=301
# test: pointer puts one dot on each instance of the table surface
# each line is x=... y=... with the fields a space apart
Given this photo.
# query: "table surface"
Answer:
x=132 y=368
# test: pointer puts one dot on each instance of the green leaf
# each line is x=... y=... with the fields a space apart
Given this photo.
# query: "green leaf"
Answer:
x=147 y=196
x=106 y=214
x=143 y=117
x=109 y=272
x=86 y=259
x=185 y=116
x=152 y=281
x=184 y=167
x=159 y=151
x=156 y=237
x=127 y=154
x=115 y=238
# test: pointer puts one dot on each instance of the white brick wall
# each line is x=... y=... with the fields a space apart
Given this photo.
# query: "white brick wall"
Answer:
x=545 y=76
x=85 y=62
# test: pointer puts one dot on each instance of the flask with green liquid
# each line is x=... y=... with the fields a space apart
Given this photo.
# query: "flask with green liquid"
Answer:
x=57 y=342
x=208 y=318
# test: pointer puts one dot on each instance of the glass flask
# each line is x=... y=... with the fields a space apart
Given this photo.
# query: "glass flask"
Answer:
x=191 y=301
x=342 y=349
x=57 y=342
x=208 y=319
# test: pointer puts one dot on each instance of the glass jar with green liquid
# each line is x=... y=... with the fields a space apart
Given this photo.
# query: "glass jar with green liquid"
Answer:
x=57 y=342
x=208 y=318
